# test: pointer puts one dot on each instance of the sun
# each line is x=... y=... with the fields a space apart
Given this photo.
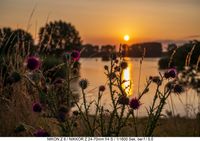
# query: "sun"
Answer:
x=126 y=37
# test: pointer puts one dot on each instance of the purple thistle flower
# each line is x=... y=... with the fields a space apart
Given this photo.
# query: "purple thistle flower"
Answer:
x=41 y=133
x=75 y=55
x=170 y=73
x=134 y=103
x=33 y=63
x=37 y=107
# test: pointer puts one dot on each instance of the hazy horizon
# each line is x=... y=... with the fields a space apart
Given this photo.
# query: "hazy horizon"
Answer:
x=106 y=22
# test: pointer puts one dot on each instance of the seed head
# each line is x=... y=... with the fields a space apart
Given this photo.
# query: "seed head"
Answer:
x=178 y=89
x=124 y=65
x=37 y=107
x=83 y=83
x=102 y=88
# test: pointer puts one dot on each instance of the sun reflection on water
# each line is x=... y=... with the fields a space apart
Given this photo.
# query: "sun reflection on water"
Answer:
x=127 y=77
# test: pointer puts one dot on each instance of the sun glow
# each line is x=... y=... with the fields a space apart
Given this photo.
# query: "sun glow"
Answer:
x=126 y=37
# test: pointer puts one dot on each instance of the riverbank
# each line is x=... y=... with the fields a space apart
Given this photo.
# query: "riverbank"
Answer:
x=166 y=127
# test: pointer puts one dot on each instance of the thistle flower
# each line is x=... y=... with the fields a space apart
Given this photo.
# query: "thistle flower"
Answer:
x=76 y=113
x=37 y=107
x=83 y=83
x=178 y=89
x=102 y=88
x=41 y=133
x=124 y=65
x=134 y=103
x=123 y=99
x=75 y=55
x=33 y=63
x=106 y=67
x=170 y=73
x=166 y=75
x=156 y=79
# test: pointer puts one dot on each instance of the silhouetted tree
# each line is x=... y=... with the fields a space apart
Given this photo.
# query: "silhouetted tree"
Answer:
x=106 y=51
x=180 y=56
x=17 y=41
x=153 y=49
x=58 y=35
x=90 y=50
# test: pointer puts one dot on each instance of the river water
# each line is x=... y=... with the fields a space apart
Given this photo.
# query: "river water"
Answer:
x=185 y=104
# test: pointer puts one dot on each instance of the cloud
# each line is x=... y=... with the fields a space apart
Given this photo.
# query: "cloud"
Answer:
x=192 y=36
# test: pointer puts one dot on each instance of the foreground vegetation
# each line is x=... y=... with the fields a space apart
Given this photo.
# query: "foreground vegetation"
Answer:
x=38 y=89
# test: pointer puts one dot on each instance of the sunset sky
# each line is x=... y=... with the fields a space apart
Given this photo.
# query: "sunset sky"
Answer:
x=107 y=21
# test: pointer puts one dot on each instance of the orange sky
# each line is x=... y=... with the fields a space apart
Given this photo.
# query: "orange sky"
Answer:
x=106 y=21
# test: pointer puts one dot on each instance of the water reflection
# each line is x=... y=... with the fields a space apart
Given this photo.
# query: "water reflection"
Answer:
x=94 y=72
x=127 y=85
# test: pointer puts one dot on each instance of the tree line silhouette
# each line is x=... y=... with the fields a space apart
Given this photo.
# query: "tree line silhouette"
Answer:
x=58 y=36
